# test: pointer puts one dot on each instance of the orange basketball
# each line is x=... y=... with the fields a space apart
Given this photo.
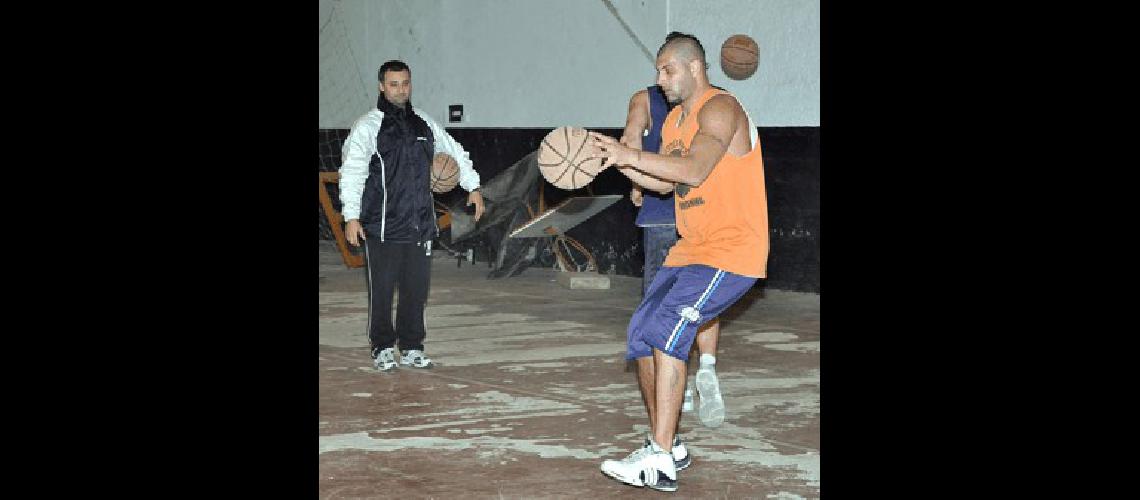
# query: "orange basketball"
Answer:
x=739 y=56
x=444 y=173
x=568 y=159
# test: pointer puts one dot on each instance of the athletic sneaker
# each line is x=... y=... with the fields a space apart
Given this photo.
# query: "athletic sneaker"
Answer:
x=384 y=359
x=415 y=358
x=681 y=458
x=711 y=410
x=647 y=466
x=687 y=404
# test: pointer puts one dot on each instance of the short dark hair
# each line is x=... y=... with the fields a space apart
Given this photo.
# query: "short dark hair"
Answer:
x=393 y=65
x=692 y=47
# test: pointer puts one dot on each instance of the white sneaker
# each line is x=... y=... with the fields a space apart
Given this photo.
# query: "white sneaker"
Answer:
x=681 y=458
x=687 y=405
x=415 y=358
x=647 y=466
x=711 y=410
x=385 y=360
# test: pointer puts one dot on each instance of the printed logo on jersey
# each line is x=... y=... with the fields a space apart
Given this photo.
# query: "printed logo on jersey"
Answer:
x=678 y=149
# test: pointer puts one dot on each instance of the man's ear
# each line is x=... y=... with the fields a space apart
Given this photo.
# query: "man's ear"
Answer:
x=695 y=67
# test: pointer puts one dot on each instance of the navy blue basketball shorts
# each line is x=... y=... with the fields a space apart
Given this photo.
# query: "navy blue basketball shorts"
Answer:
x=677 y=303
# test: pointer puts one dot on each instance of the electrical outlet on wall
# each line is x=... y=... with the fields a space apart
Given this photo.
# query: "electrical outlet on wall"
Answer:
x=455 y=113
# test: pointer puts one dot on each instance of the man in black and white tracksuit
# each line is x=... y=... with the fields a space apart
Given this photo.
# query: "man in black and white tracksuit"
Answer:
x=386 y=200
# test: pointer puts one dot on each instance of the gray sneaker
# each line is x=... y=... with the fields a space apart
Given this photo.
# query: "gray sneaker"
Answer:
x=415 y=359
x=711 y=409
x=385 y=359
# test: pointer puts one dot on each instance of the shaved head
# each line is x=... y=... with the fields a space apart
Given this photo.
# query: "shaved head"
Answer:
x=681 y=67
x=685 y=47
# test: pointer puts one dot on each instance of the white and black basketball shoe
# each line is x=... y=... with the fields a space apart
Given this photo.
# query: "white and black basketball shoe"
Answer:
x=384 y=359
x=415 y=358
x=681 y=458
x=647 y=466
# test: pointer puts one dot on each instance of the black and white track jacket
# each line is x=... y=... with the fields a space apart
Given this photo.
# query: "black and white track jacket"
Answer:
x=385 y=178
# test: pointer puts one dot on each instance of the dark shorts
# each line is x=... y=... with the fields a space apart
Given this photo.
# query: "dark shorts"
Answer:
x=678 y=302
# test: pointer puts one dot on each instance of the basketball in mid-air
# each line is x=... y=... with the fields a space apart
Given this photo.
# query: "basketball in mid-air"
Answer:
x=739 y=56
x=568 y=158
x=444 y=173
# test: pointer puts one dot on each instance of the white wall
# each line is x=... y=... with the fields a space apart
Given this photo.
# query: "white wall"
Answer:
x=548 y=63
x=784 y=91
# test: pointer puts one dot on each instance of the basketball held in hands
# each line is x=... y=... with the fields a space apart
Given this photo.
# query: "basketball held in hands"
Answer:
x=568 y=159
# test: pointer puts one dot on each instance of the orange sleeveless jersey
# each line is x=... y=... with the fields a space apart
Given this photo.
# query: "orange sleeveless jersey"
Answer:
x=724 y=221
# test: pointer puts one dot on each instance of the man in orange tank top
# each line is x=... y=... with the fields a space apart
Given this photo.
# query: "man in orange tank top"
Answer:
x=710 y=157
x=647 y=111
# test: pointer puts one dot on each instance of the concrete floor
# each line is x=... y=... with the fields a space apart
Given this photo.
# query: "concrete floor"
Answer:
x=531 y=393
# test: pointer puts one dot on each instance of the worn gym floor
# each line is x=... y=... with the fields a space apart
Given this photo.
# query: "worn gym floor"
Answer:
x=531 y=393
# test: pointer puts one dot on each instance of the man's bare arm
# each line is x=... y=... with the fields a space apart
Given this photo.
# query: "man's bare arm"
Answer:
x=636 y=119
x=717 y=121
x=646 y=181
